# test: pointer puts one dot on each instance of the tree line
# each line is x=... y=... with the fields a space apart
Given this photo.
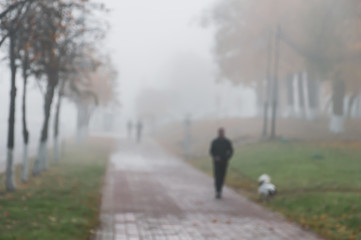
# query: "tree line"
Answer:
x=55 y=43
x=265 y=43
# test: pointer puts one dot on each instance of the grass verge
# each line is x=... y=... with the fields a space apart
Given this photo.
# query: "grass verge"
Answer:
x=62 y=203
x=319 y=184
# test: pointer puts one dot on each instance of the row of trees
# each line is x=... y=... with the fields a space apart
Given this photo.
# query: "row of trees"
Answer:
x=271 y=40
x=52 y=41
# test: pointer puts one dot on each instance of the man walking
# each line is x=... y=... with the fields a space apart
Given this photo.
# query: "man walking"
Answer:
x=129 y=129
x=221 y=151
x=139 y=131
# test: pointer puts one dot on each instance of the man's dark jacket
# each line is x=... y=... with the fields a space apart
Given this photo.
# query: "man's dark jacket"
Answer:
x=221 y=147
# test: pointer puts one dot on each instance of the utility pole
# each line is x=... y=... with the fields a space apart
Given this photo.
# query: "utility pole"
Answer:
x=268 y=85
x=275 y=83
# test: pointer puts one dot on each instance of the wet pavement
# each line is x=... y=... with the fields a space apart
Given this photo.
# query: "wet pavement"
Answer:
x=149 y=194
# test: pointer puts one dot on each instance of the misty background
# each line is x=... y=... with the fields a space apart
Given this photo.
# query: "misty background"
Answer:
x=160 y=47
x=166 y=60
x=163 y=57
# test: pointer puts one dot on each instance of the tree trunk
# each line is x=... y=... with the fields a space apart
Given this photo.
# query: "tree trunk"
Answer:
x=301 y=94
x=45 y=129
x=306 y=95
x=25 y=164
x=265 y=119
x=274 y=108
x=337 y=119
x=10 y=181
x=268 y=87
x=358 y=106
x=313 y=94
x=24 y=175
x=351 y=102
x=56 y=124
x=275 y=85
x=79 y=123
x=41 y=160
x=290 y=95
x=82 y=121
x=296 y=93
x=328 y=106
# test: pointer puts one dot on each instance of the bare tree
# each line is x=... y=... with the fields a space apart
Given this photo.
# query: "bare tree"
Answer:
x=57 y=26
x=320 y=46
x=43 y=35
x=92 y=86
x=10 y=25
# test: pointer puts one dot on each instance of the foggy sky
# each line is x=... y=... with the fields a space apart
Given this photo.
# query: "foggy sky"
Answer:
x=146 y=35
x=147 y=42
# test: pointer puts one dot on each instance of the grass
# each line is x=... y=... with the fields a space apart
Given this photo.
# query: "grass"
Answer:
x=62 y=203
x=319 y=184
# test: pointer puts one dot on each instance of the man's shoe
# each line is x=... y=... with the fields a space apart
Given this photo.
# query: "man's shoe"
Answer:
x=218 y=196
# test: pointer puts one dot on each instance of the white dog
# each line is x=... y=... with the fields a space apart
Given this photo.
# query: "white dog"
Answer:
x=266 y=189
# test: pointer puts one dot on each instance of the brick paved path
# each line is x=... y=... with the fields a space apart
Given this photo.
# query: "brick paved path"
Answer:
x=151 y=195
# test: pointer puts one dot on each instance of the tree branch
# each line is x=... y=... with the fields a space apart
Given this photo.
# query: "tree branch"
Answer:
x=12 y=7
x=3 y=39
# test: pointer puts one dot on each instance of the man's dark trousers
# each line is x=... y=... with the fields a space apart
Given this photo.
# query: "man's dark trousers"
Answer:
x=219 y=171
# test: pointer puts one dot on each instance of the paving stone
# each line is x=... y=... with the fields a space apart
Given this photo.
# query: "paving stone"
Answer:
x=151 y=195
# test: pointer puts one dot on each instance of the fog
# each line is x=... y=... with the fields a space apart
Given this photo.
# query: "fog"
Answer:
x=178 y=59
x=218 y=59
x=161 y=45
x=125 y=98
x=154 y=45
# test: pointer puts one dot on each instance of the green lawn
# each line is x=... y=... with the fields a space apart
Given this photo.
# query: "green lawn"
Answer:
x=319 y=184
x=62 y=203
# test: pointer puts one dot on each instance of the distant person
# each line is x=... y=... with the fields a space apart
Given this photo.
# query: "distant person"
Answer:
x=129 y=129
x=221 y=151
x=139 y=131
x=187 y=136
